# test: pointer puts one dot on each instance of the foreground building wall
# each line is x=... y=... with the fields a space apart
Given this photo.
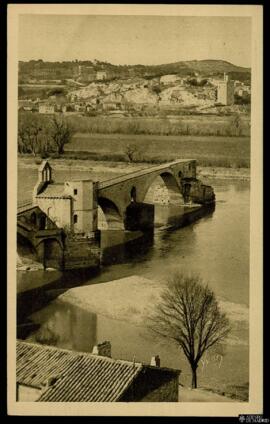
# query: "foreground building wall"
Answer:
x=154 y=384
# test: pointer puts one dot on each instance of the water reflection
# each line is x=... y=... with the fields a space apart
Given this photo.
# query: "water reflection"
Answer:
x=32 y=300
x=66 y=326
x=122 y=247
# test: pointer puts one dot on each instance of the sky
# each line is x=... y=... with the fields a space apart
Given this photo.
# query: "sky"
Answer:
x=130 y=40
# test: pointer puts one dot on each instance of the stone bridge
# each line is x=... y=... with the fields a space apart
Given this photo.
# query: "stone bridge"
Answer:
x=61 y=222
x=116 y=195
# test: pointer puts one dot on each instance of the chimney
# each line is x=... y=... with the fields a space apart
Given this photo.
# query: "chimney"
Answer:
x=103 y=349
x=155 y=361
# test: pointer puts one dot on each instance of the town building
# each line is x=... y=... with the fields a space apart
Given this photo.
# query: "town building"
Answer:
x=71 y=205
x=214 y=81
x=44 y=73
x=50 y=374
x=89 y=107
x=225 y=91
x=113 y=101
x=169 y=79
x=79 y=107
x=47 y=108
x=86 y=73
x=101 y=75
x=72 y=97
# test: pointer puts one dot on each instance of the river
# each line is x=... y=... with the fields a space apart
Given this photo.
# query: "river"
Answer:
x=216 y=247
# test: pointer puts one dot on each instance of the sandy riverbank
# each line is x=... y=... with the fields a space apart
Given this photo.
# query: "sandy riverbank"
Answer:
x=132 y=300
x=201 y=395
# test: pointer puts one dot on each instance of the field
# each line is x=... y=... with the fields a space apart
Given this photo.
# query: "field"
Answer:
x=231 y=152
x=199 y=125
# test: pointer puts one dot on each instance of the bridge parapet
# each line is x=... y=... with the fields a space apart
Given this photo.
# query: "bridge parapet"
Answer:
x=146 y=171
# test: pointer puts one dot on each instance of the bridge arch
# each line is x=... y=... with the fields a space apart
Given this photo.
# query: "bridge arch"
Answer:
x=172 y=193
x=111 y=212
x=50 y=239
x=50 y=252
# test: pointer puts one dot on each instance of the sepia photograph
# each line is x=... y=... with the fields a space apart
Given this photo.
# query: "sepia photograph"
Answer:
x=135 y=145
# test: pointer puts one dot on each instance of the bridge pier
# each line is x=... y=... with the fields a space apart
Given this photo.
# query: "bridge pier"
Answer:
x=139 y=217
x=40 y=249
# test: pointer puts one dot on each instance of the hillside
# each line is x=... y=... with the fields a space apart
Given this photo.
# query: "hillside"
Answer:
x=139 y=90
x=52 y=70
x=208 y=66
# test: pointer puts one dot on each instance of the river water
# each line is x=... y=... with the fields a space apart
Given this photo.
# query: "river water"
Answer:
x=216 y=247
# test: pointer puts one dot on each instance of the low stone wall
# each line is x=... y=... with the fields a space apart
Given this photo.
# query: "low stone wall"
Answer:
x=154 y=385
x=50 y=254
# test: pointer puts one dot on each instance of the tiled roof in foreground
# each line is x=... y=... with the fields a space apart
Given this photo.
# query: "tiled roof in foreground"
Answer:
x=74 y=376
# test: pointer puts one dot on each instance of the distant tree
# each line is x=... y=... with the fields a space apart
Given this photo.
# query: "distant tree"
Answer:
x=242 y=100
x=189 y=314
x=61 y=132
x=192 y=81
x=22 y=137
x=236 y=124
x=56 y=92
x=132 y=151
x=197 y=83
x=29 y=128
x=203 y=82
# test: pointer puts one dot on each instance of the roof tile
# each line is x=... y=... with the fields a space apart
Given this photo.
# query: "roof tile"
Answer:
x=78 y=376
x=54 y=190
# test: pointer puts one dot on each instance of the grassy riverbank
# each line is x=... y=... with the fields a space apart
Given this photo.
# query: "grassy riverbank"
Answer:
x=106 y=169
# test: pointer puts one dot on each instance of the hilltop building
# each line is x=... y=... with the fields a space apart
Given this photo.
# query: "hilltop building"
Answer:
x=225 y=91
x=86 y=73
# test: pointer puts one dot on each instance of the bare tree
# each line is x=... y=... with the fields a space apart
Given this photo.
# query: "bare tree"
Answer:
x=61 y=132
x=29 y=129
x=132 y=152
x=189 y=315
